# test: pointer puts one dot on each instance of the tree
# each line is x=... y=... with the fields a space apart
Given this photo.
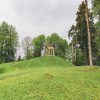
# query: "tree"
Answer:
x=38 y=43
x=82 y=34
x=73 y=34
x=96 y=12
x=79 y=36
x=8 y=42
x=27 y=47
x=89 y=34
x=96 y=8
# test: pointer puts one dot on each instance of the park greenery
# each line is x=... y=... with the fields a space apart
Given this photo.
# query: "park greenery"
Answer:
x=77 y=51
x=58 y=77
x=38 y=43
x=78 y=48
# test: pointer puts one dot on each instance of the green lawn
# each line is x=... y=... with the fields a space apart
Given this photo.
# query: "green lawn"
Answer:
x=48 y=78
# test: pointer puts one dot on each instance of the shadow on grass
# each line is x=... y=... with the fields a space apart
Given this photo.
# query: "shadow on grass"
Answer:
x=91 y=69
x=2 y=70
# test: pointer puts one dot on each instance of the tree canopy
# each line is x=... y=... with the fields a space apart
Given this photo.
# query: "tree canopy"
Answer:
x=8 y=42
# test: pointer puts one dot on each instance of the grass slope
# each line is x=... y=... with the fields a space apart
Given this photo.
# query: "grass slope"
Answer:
x=44 y=61
x=48 y=61
x=49 y=79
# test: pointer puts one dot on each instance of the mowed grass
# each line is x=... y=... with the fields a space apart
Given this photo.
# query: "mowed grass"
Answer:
x=51 y=78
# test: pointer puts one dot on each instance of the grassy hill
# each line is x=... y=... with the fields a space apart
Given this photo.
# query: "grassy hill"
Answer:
x=48 y=61
x=48 y=78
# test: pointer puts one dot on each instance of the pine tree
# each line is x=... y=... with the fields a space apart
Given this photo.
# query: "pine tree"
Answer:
x=96 y=12
x=82 y=33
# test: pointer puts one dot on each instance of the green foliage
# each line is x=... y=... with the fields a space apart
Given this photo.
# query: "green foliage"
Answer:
x=82 y=34
x=60 y=44
x=96 y=11
x=96 y=8
x=8 y=42
x=79 y=36
x=38 y=44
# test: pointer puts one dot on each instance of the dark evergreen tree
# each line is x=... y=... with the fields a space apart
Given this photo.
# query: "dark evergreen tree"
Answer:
x=96 y=12
x=82 y=34
x=79 y=35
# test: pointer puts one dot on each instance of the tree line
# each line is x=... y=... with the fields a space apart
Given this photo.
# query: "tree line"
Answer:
x=77 y=51
x=79 y=35
x=34 y=47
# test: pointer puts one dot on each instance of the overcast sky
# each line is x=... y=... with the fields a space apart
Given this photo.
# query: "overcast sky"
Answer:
x=34 y=17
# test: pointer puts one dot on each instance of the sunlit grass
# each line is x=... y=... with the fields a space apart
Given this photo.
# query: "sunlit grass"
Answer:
x=50 y=83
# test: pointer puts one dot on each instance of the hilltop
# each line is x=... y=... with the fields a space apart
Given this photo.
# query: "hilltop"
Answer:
x=47 y=61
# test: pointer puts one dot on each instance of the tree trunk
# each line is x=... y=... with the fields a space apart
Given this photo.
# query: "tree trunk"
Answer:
x=89 y=35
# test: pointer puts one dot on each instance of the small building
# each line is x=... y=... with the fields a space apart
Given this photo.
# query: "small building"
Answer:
x=49 y=50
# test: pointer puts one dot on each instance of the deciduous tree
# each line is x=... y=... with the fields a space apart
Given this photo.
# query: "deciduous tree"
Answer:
x=8 y=42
